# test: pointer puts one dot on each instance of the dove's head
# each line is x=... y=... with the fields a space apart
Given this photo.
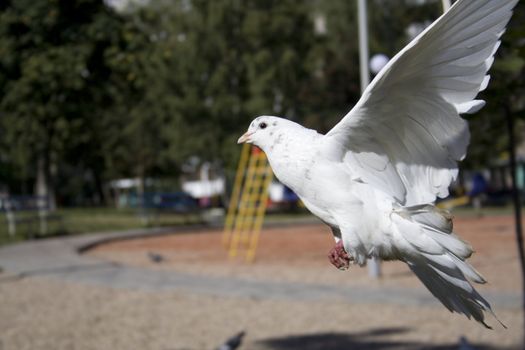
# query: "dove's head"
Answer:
x=264 y=130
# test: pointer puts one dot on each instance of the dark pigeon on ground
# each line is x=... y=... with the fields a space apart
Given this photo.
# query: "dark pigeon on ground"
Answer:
x=156 y=257
x=233 y=342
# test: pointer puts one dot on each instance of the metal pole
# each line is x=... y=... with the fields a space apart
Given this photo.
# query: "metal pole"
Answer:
x=374 y=267
x=517 y=203
x=363 y=43
x=446 y=5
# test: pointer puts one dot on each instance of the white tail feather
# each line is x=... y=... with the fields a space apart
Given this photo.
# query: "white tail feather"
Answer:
x=437 y=256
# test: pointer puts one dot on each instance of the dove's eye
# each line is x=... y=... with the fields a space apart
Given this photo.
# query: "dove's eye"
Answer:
x=263 y=125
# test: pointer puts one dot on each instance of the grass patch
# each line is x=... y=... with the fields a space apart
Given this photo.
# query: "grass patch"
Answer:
x=468 y=211
x=87 y=220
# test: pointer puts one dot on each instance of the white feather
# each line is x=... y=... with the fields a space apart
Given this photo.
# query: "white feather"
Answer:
x=407 y=110
x=375 y=176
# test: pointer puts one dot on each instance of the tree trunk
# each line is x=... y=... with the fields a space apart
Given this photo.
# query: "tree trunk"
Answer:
x=99 y=186
x=43 y=187
x=517 y=204
x=41 y=177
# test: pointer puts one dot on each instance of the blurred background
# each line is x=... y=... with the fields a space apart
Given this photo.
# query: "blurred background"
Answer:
x=124 y=114
x=103 y=102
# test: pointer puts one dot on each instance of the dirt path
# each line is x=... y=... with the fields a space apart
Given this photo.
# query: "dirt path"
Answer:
x=298 y=253
x=48 y=313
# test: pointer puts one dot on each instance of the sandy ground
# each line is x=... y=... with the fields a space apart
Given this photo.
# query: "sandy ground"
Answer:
x=45 y=313
x=299 y=253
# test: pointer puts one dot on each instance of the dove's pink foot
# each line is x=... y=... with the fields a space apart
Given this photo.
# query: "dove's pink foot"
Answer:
x=339 y=257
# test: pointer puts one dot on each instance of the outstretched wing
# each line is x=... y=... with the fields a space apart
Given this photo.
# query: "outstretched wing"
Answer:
x=405 y=135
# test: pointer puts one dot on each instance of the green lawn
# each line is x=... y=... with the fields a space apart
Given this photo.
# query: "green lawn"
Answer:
x=468 y=211
x=84 y=220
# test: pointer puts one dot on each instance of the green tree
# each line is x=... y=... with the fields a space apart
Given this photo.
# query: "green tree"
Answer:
x=505 y=94
x=88 y=95
x=230 y=61
x=51 y=77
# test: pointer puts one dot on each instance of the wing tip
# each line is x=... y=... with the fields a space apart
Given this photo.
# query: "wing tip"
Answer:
x=473 y=106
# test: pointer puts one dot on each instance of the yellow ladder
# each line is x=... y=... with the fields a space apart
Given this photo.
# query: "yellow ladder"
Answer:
x=248 y=203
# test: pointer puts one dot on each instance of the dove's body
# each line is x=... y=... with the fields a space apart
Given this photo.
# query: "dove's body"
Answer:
x=309 y=164
x=375 y=176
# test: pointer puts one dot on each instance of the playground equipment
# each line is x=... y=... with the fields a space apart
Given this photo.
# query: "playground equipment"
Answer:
x=453 y=202
x=247 y=204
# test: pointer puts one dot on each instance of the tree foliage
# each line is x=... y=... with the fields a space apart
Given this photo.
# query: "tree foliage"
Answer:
x=51 y=75
x=505 y=97
x=97 y=94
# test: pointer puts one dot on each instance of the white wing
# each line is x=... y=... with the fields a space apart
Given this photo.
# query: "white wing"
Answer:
x=405 y=135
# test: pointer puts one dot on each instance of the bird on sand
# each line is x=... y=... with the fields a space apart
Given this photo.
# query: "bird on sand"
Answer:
x=375 y=176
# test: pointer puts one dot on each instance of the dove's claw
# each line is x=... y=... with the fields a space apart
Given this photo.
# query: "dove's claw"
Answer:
x=339 y=257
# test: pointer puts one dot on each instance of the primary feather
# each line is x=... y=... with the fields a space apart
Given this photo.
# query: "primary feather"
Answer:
x=409 y=115
x=375 y=176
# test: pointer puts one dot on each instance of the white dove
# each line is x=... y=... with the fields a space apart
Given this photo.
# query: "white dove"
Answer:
x=375 y=176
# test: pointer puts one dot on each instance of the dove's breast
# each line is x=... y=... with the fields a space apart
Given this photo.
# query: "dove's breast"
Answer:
x=292 y=155
x=324 y=185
